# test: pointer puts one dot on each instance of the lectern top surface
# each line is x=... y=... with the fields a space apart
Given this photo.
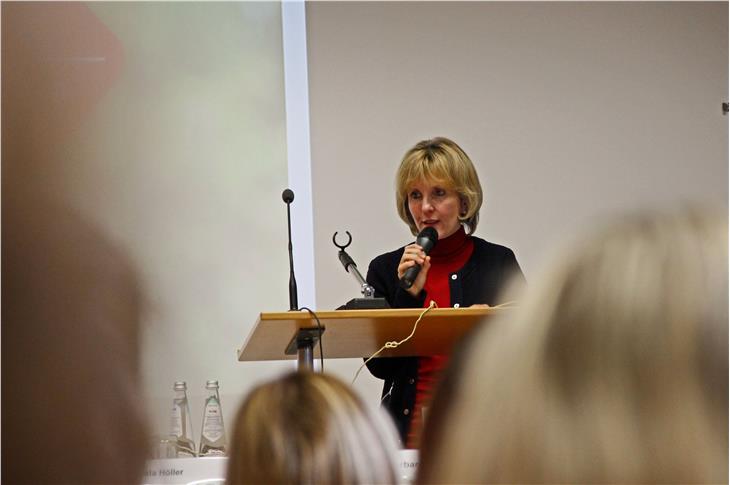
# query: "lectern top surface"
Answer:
x=360 y=333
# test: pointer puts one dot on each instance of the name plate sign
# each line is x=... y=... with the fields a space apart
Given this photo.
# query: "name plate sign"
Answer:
x=198 y=471
x=212 y=470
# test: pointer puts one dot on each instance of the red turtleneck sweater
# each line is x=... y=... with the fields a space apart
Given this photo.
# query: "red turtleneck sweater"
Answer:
x=447 y=257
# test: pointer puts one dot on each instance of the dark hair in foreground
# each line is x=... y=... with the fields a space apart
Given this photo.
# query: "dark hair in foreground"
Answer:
x=613 y=369
x=72 y=410
x=307 y=428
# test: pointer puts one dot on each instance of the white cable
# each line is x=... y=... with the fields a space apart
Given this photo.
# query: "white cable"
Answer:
x=393 y=344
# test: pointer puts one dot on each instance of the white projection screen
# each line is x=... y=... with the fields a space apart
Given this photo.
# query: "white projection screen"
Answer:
x=173 y=125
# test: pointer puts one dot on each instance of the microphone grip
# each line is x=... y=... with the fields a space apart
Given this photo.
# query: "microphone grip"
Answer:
x=427 y=239
x=410 y=276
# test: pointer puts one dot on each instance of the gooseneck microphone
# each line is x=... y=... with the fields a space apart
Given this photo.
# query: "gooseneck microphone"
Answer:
x=288 y=197
x=427 y=239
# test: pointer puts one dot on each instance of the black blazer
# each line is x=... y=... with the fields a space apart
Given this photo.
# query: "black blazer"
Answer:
x=480 y=281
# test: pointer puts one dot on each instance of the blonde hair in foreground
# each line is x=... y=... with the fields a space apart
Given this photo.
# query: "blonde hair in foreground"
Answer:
x=439 y=160
x=614 y=369
x=307 y=428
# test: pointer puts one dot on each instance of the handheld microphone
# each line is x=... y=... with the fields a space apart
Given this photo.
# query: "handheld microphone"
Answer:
x=427 y=239
x=288 y=197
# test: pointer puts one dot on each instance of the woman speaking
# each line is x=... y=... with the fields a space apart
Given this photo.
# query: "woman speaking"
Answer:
x=437 y=187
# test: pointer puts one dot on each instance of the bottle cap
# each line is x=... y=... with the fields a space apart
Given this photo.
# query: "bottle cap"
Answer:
x=180 y=386
x=211 y=384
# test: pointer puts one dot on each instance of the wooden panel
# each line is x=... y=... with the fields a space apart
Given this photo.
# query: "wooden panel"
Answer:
x=360 y=333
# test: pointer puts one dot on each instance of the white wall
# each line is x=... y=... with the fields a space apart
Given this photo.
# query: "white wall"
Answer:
x=569 y=110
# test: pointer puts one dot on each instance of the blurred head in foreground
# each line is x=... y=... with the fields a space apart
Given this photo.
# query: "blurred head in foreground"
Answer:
x=614 y=369
x=72 y=410
x=307 y=428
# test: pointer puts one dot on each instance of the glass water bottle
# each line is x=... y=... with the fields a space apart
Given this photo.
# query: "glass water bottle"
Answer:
x=213 y=434
x=181 y=425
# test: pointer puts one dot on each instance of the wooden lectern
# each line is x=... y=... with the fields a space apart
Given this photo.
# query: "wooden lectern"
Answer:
x=358 y=333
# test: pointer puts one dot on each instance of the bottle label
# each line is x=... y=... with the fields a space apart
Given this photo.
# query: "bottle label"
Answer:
x=176 y=427
x=212 y=421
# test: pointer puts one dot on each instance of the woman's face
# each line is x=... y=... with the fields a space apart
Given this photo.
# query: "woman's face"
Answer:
x=433 y=205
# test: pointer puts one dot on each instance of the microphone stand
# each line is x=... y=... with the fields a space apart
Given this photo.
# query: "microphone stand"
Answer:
x=368 y=301
x=303 y=341
x=288 y=197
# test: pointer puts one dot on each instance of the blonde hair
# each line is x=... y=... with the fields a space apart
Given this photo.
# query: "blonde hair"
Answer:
x=439 y=159
x=614 y=369
x=307 y=428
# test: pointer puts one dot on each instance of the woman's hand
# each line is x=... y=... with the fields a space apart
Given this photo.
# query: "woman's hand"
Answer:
x=413 y=254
